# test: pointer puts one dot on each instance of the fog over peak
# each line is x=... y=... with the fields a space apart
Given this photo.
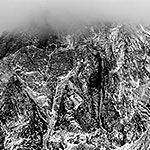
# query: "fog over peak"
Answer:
x=15 y=13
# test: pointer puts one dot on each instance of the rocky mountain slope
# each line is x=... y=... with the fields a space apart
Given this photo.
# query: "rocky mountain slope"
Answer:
x=74 y=89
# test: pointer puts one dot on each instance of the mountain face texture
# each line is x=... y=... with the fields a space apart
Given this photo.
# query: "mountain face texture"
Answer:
x=86 y=89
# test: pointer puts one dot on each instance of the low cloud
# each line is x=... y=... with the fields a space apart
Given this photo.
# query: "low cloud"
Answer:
x=15 y=13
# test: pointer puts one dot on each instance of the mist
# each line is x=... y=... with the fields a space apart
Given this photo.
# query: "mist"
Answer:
x=20 y=13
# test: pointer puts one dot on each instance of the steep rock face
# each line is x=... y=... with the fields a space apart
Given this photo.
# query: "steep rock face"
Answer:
x=75 y=91
x=20 y=116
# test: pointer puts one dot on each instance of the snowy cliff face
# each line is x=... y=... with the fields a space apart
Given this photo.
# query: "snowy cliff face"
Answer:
x=75 y=89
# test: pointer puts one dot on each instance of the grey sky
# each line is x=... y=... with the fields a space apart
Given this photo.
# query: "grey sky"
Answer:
x=14 y=13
